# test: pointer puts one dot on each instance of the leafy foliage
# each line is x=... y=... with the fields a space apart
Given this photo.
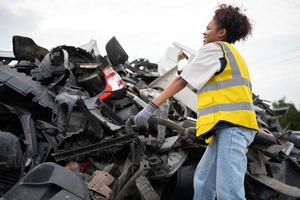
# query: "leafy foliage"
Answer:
x=292 y=118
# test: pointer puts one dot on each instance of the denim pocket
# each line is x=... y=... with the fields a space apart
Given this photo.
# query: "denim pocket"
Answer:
x=249 y=134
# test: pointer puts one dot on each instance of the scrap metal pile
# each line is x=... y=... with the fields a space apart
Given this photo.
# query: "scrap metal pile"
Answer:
x=67 y=131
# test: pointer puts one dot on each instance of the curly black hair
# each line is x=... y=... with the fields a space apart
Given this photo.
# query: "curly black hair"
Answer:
x=236 y=23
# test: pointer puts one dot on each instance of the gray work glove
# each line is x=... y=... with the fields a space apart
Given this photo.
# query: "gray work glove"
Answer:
x=141 y=119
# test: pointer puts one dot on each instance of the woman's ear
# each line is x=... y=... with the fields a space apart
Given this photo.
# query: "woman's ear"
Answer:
x=222 y=33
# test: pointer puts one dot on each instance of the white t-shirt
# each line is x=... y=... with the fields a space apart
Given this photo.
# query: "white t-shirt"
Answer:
x=203 y=66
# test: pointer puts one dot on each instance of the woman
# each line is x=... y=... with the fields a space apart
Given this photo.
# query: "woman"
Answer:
x=225 y=110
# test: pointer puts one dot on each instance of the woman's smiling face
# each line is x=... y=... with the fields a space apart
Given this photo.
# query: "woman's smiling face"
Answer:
x=213 y=33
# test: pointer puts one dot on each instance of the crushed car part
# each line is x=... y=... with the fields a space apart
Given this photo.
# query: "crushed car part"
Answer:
x=129 y=188
x=114 y=85
x=64 y=115
x=115 y=52
x=92 y=106
x=163 y=81
x=26 y=49
x=8 y=178
x=49 y=181
x=26 y=86
x=10 y=151
x=101 y=146
x=77 y=167
x=100 y=183
x=166 y=169
x=277 y=185
x=145 y=189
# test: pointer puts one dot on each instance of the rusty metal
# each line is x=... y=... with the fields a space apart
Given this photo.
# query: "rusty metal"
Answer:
x=100 y=183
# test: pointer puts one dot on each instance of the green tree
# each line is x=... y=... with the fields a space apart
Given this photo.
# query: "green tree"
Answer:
x=292 y=118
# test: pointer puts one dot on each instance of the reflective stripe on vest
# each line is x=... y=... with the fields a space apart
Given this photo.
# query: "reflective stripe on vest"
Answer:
x=226 y=84
x=237 y=79
x=226 y=107
x=234 y=68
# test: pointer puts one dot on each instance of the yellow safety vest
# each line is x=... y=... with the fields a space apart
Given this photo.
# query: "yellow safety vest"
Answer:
x=227 y=96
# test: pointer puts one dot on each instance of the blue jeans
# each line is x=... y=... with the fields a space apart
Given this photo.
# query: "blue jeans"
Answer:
x=221 y=171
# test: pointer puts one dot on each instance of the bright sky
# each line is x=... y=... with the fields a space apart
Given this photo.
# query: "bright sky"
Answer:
x=145 y=28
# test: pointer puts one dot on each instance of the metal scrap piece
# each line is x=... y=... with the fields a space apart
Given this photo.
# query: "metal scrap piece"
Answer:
x=276 y=185
x=145 y=189
x=90 y=104
x=25 y=85
x=100 y=183
x=101 y=146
